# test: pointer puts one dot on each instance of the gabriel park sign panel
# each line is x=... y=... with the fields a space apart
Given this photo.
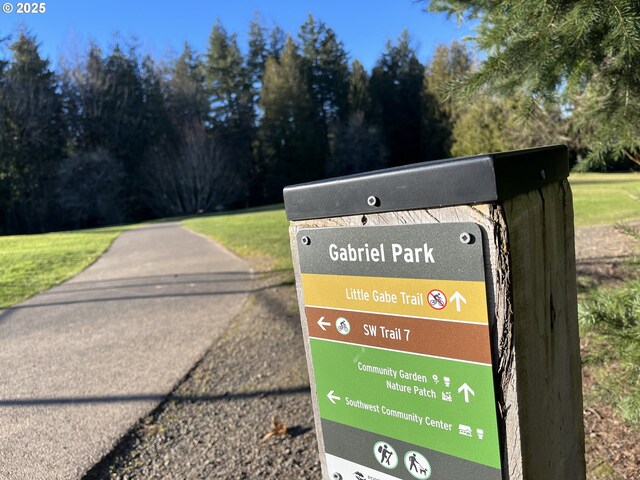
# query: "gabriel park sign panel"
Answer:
x=400 y=349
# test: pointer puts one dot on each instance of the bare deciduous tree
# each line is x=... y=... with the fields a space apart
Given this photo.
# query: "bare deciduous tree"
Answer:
x=359 y=147
x=193 y=177
x=91 y=189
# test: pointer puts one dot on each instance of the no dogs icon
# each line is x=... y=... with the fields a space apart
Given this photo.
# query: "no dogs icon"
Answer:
x=437 y=299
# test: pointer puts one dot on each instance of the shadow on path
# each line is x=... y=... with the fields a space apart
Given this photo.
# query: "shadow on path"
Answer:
x=137 y=290
x=155 y=397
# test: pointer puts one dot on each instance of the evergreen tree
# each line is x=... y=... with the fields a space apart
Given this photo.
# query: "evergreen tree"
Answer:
x=439 y=111
x=492 y=124
x=156 y=121
x=327 y=69
x=31 y=140
x=231 y=91
x=584 y=54
x=396 y=85
x=450 y=63
x=263 y=44
x=359 y=96
x=277 y=40
x=258 y=52
x=187 y=97
x=487 y=125
x=3 y=62
x=359 y=146
x=122 y=123
x=83 y=86
x=435 y=128
x=327 y=72
x=116 y=103
x=5 y=166
x=291 y=144
x=106 y=105
x=228 y=80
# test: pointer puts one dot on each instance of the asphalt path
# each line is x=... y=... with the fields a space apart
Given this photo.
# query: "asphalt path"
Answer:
x=82 y=362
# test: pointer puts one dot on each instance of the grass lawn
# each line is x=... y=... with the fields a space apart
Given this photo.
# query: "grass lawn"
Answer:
x=254 y=234
x=33 y=263
x=600 y=198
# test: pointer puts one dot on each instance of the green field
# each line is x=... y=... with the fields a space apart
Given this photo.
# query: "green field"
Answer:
x=258 y=235
x=600 y=198
x=33 y=263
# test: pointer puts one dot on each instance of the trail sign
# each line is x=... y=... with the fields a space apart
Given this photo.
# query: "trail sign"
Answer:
x=438 y=306
x=379 y=383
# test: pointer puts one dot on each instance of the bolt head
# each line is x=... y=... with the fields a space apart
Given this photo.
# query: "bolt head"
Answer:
x=373 y=201
x=466 y=238
x=306 y=240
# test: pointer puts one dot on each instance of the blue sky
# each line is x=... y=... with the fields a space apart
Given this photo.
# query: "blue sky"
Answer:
x=162 y=26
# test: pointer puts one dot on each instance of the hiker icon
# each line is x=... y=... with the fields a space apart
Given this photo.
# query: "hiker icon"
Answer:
x=417 y=465
x=385 y=455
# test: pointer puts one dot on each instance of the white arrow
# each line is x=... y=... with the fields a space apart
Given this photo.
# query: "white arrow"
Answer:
x=323 y=324
x=332 y=397
x=467 y=390
x=458 y=298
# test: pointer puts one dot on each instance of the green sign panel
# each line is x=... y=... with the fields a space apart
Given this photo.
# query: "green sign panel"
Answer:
x=399 y=341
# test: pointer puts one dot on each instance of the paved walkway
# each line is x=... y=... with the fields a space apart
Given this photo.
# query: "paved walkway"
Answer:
x=81 y=363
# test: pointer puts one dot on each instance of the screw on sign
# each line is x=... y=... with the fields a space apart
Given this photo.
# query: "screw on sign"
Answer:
x=437 y=299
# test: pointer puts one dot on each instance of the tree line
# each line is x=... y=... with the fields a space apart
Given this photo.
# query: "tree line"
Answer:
x=119 y=136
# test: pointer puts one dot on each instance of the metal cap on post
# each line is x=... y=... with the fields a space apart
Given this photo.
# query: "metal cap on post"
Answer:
x=441 y=183
x=438 y=306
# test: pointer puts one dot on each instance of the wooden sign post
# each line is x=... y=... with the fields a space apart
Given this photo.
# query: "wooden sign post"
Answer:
x=438 y=305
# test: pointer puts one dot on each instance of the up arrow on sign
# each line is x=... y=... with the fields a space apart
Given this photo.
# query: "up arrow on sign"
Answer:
x=467 y=390
x=458 y=298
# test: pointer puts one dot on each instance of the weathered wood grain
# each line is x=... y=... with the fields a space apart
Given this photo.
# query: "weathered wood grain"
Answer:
x=545 y=335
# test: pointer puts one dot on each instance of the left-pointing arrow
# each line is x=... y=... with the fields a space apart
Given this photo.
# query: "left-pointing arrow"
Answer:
x=332 y=397
x=322 y=324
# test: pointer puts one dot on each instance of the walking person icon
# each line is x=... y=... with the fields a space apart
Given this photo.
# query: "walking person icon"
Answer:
x=385 y=455
x=417 y=465
x=413 y=463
